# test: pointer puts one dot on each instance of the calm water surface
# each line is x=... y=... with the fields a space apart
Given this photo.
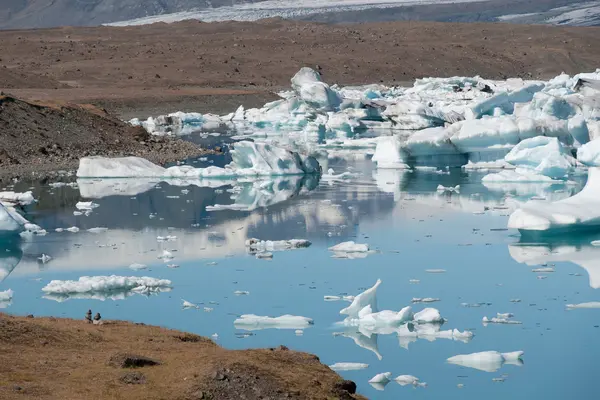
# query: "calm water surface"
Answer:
x=411 y=226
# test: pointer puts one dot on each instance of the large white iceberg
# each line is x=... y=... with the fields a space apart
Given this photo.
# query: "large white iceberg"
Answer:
x=577 y=212
x=251 y=322
x=488 y=361
x=249 y=159
x=102 y=287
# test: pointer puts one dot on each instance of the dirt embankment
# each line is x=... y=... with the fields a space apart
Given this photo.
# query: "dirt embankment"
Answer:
x=174 y=64
x=45 y=136
x=50 y=358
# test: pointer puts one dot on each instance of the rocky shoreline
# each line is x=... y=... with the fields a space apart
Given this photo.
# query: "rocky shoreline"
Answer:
x=55 y=358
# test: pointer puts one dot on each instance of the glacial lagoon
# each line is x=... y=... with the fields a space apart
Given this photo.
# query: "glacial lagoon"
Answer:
x=451 y=245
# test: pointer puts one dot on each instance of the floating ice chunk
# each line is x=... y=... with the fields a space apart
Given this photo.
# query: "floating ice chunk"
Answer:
x=72 y=229
x=442 y=189
x=577 y=212
x=424 y=300
x=138 y=267
x=488 y=361
x=106 y=285
x=86 y=205
x=348 y=366
x=241 y=293
x=589 y=153
x=404 y=380
x=428 y=315
x=595 y=243
x=350 y=247
x=504 y=315
x=384 y=378
x=166 y=256
x=23 y=199
x=257 y=245
x=251 y=322
x=592 y=304
x=544 y=269
x=435 y=271
x=186 y=305
x=305 y=76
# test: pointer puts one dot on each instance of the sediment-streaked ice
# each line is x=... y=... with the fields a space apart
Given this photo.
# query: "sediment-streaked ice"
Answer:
x=257 y=245
x=251 y=322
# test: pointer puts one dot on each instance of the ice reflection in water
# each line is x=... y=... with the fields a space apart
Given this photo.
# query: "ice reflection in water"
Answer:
x=401 y=215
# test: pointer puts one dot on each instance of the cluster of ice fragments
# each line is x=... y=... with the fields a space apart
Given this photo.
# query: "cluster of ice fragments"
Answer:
x=248 y=159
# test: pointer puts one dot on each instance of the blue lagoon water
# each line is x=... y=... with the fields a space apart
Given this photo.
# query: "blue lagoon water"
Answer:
x=412 y=228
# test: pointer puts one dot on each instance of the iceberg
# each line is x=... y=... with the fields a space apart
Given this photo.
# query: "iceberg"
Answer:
x=388 y=153
x=350 y=247
x=251 y=322
x=574 y=213
x=249 y=159
x=348 y=366
x=592 y=304
x=589 y=153
x=487 y=361
x=383 y=377
x=404 y=380
x=102 y=287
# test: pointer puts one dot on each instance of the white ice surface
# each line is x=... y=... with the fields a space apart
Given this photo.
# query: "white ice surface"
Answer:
x=404 y=380
x=104 y=284
x=256 y=245
x=488 y=361
x=383 y=377
x=24 y=199
x=591 y=304
x=348 y=366
x=350 y=247
x=251 y=322
x=589 y=153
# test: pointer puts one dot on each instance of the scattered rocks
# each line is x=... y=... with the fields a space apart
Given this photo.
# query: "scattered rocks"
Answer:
x=133 y=378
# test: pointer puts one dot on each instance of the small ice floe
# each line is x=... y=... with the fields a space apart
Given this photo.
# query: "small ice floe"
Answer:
x=350 y=250
x=405 y=380
x=166 y=238
x=591 y=304
x=215 y=336
x=264 y=255
x=348 y=366
x=424 y=300
x=435 y=271
x=86 y=205
x=475 y=305
x=44 y=258
x=251 y=322
x=208 y=309
x=187 y=305
x=59 y=230
x=97 y=230
x=138 y=267
x=254 y=245
x=299 y=332
x=488 y=361
x=241 y=293
x=166 y=256
x=211 y=263
x=442 y=189
x=543 y=270
x=595 y=242
x=77 y=213
x=72 y=229
x=501 y=318
x=104 y=287
x=515 y=300
x=172 y=266
x=414 y=281
x=379 y=381
x=6 y=298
